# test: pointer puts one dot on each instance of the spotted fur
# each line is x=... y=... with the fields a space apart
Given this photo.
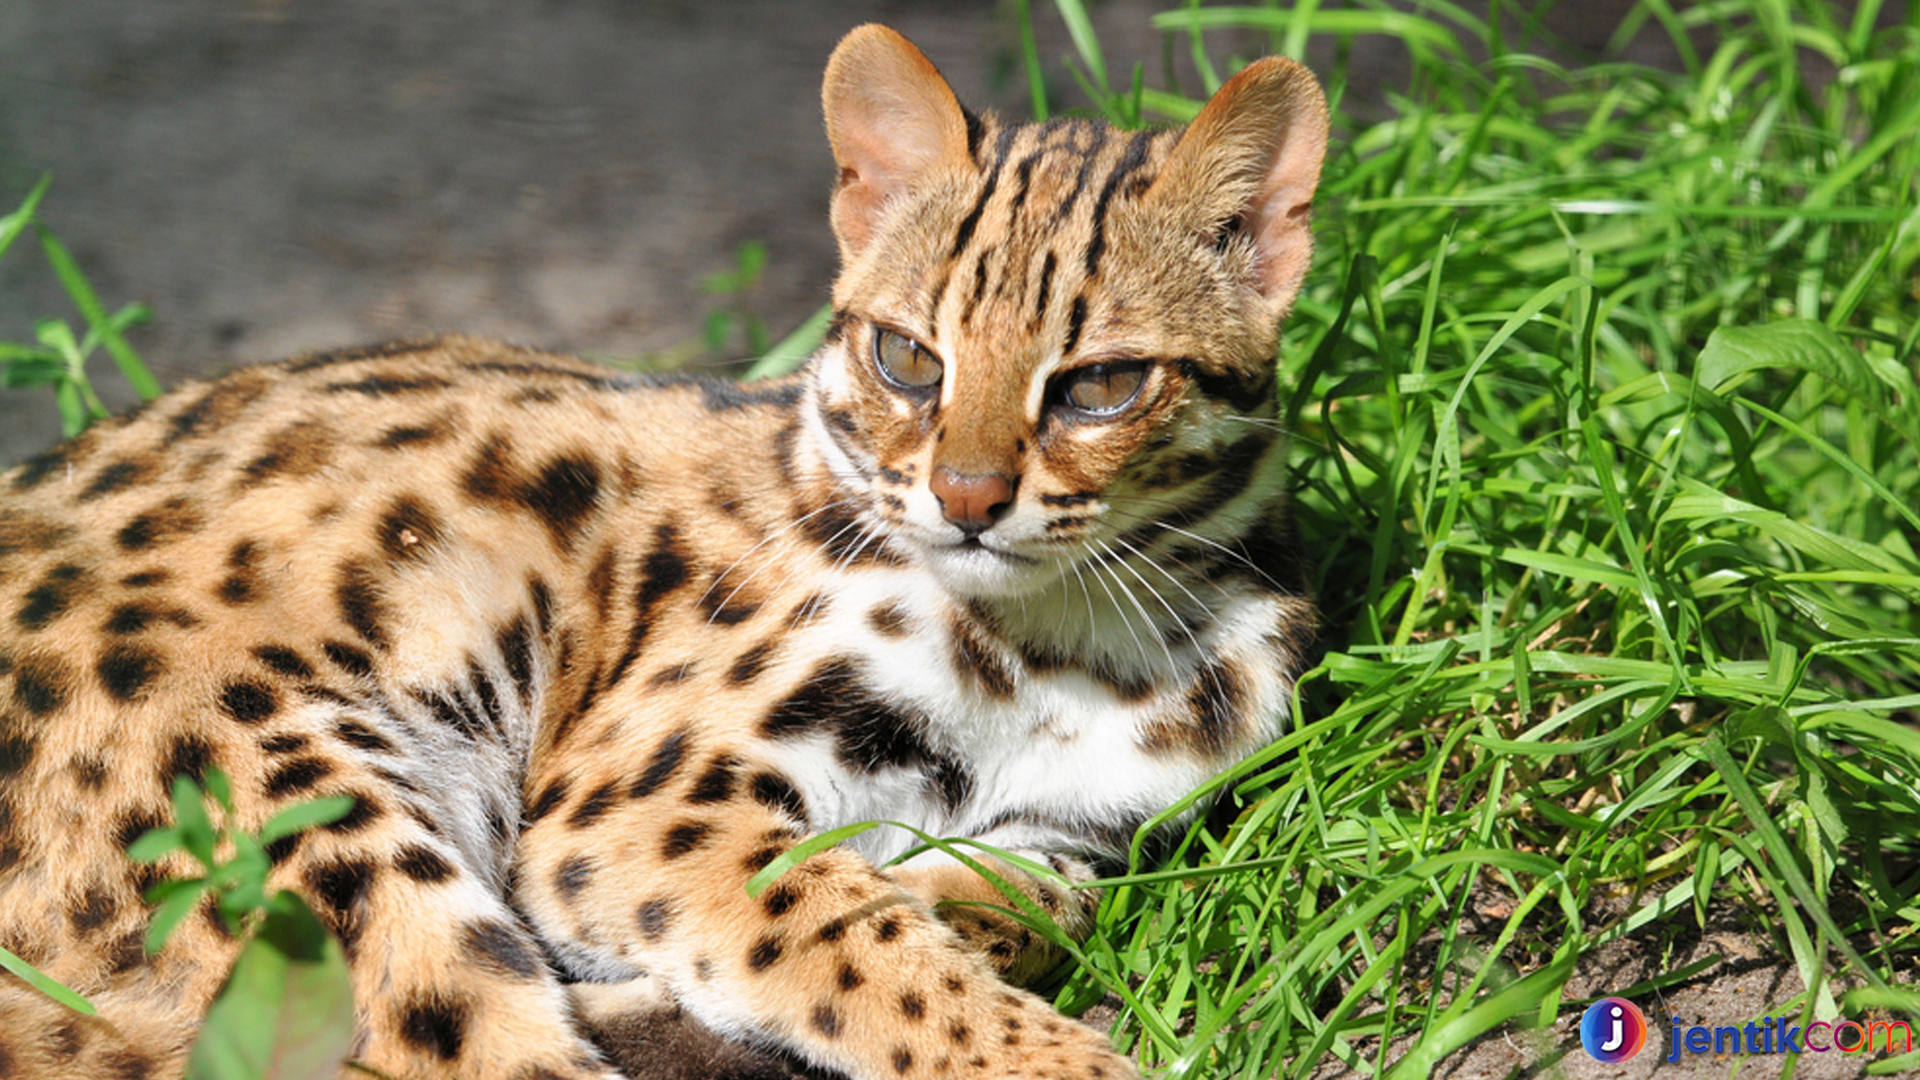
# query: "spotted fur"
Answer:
x=588 y=650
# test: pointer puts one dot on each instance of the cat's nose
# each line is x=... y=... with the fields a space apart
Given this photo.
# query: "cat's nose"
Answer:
x=972 y=502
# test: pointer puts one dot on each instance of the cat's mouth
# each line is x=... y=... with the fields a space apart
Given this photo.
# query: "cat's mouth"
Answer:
x=974 y=543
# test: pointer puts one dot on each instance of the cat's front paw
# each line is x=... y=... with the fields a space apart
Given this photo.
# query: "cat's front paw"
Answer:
x=1017 y=954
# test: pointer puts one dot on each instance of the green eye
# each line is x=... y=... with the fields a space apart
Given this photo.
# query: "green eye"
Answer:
x=905 y=362
x=1103 y=389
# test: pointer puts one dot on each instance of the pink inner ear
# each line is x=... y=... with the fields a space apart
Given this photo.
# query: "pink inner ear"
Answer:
x=891 y=119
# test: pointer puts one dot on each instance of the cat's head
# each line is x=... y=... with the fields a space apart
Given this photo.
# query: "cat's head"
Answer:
x=1048 y=336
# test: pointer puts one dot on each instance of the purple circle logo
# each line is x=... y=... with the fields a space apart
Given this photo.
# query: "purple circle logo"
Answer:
x=1613 y=1030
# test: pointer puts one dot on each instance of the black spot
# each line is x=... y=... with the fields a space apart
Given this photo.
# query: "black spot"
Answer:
x=516 y=649
x=386 y=384
x=437 y=1025
x=775 y=792
x=126 y=671
x=42 y=465
x=547 y=801
x=779 y=900
x=685 y=837
x=50 y=599
x=973 y=657
x=655 y=917
x=136 y=617
x=90 y=772
x=869 y=733
x=572 y=876
x=190 y=756
x=759 y=859
x=123 y=1063
x=951 y=782
x=665 y=569
x=719 y=395
x=408 y=529
x=348 y=658
x=850 y=977
x=563 y=495
x=493 y=944
x=902 y=1060
x=751 y=663
x=365 y=811
x=163 y=524
x=423 y=864
x=96 y=906
x=283 y=660
x=826 y=1021
x=40 y=685
x=956 y=1030
x=661 y=766
x=597 y=802
x=248 y=702
x=338 y=887
x=888 y=929
x=359 y=736
x=146 y=579
x=283 y=744
x=764 y=952
x=888 y=620
x=133 y=825
x=395 y=438
x=297 y=775
x=17 y=746
x=299 y=449
x=716 y=784
x=116 y=476
x=358 y=594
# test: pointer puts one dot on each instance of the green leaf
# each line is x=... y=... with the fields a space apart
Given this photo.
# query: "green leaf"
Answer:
x=286 y=1012
x=16 y=223
x=1813 y=347
x=178 y=904
x=83 y=296
x=42 y=983
x=154 y=844
x=305 y=816
x=190 y=819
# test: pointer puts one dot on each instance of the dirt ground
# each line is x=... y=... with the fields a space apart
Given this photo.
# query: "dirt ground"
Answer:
x=275 y=176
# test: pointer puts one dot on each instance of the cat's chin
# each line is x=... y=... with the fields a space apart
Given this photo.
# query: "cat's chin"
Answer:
x=974 y=571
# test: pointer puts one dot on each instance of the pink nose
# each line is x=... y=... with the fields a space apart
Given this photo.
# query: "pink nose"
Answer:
x=971 y=502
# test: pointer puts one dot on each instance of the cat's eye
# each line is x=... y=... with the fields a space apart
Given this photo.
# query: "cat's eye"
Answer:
x=905 y=362
x=1103 y=390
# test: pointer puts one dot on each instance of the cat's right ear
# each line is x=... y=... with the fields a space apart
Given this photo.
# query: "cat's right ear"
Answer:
x=892 y=121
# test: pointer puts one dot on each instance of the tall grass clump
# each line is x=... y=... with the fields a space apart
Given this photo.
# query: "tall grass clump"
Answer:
x=1603 y=396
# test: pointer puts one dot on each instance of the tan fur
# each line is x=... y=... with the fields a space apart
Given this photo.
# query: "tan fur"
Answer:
x=589 y=651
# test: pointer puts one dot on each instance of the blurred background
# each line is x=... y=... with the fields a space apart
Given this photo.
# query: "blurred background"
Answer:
x=277 y=176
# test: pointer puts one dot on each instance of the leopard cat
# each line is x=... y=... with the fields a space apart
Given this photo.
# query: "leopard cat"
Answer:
x=1006 y=560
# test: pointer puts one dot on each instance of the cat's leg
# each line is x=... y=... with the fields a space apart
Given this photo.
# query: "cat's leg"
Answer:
x=446 y=981
x=960 y=897
x=834 y=961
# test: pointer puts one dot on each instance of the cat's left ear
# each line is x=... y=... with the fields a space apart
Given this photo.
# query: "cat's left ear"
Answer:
x=1251 y=160
x=893 y=122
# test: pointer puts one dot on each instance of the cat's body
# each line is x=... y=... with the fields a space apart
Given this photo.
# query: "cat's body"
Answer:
x=590 y=650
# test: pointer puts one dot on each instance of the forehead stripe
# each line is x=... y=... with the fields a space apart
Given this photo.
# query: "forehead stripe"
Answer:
x=1132 y=160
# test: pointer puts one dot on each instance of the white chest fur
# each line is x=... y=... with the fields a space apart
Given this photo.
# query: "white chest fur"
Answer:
x=1053 y=756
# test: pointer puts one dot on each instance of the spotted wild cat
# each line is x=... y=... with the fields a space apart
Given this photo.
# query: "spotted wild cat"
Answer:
x=1007 y=560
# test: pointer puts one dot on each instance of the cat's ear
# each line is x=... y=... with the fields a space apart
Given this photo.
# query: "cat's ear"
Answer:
x=892 y=120
x=1251 y=161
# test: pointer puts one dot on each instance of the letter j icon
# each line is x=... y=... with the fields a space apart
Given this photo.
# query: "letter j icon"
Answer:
x=1613 y=1030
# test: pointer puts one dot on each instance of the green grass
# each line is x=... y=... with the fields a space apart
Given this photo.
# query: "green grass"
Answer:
x=1603 y=394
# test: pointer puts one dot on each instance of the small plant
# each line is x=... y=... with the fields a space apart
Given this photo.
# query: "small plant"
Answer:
x=286 y=1010
x=59 y=359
